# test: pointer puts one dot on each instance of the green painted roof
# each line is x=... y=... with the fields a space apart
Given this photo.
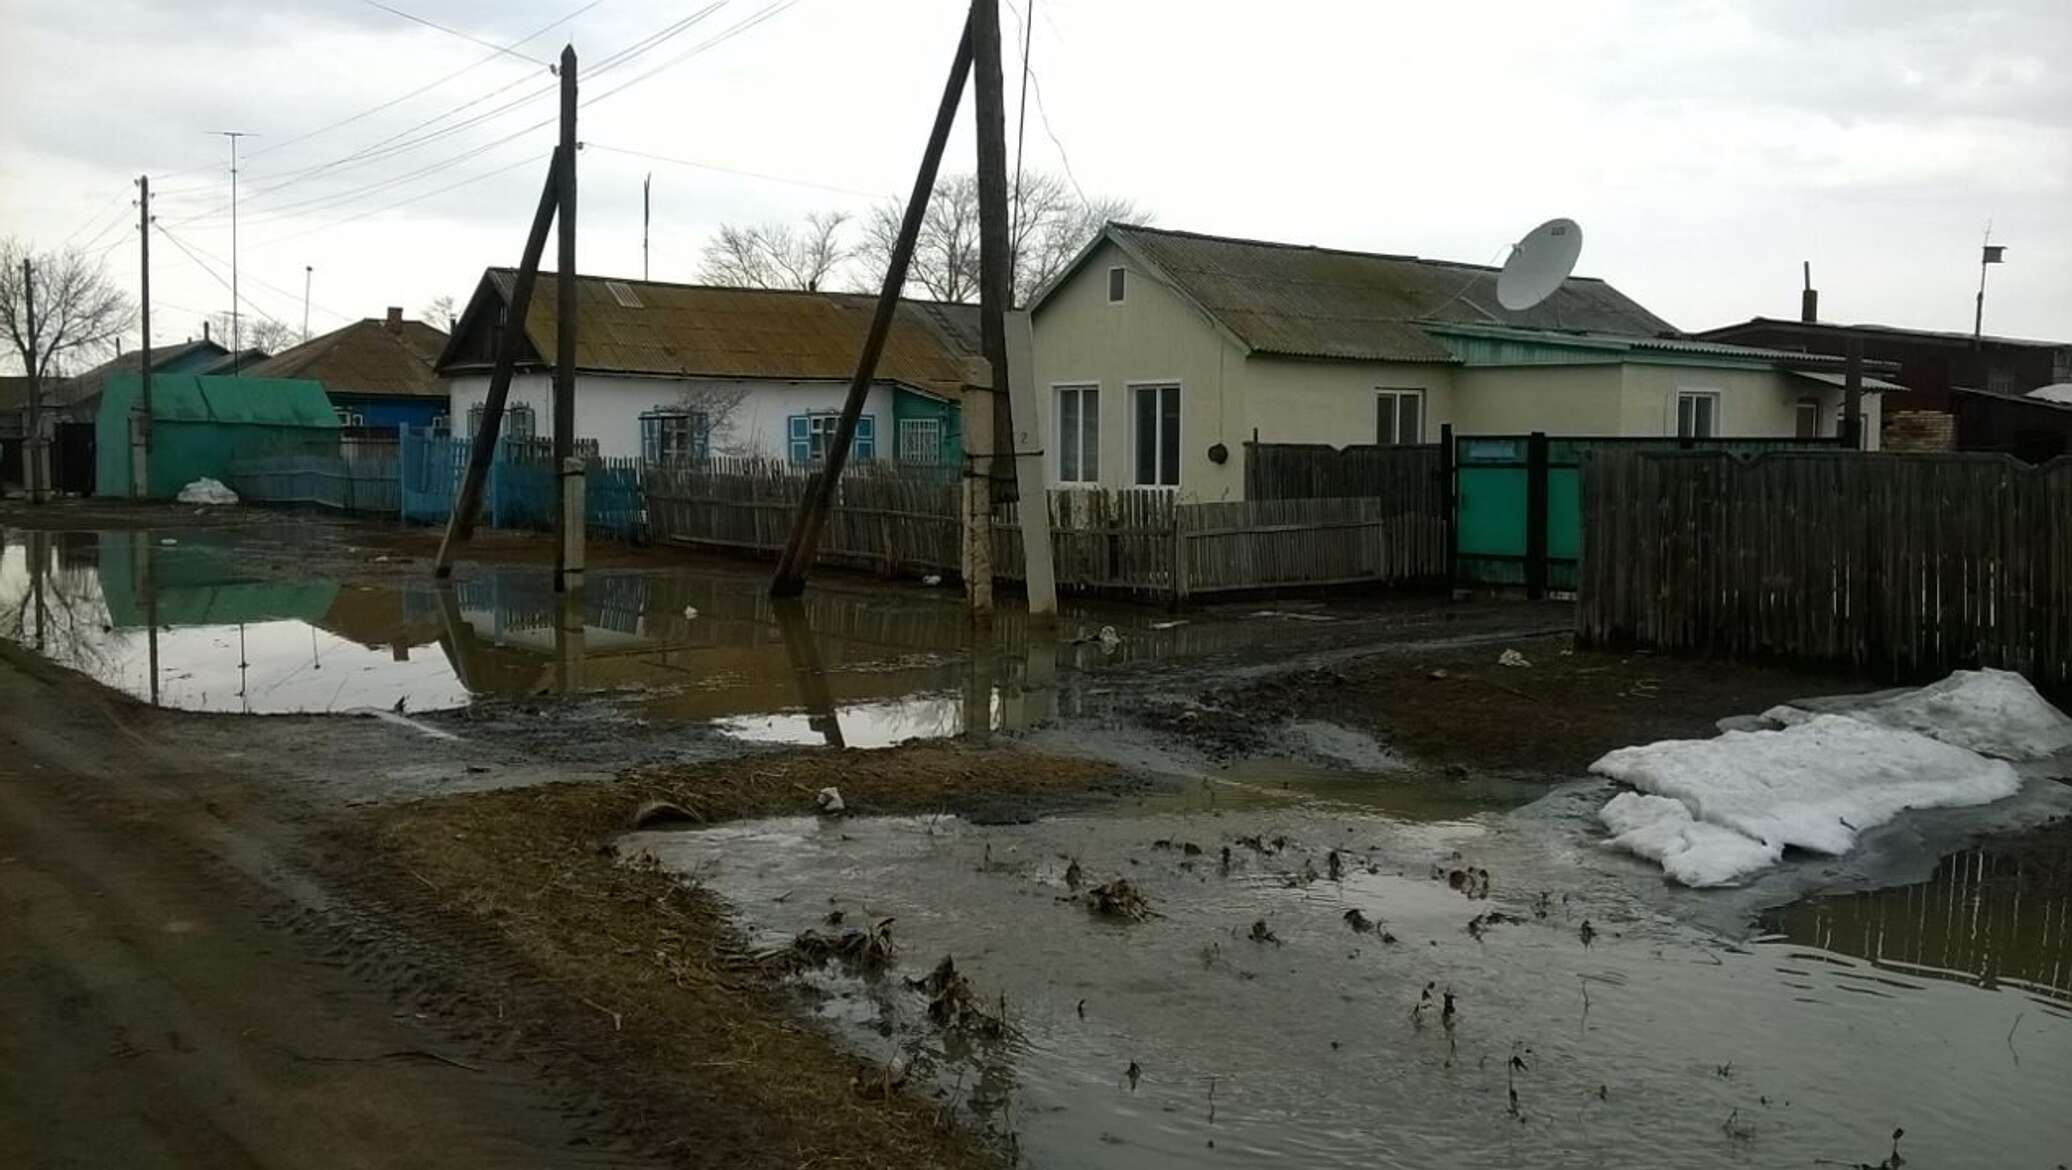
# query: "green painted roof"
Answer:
x=289 y=402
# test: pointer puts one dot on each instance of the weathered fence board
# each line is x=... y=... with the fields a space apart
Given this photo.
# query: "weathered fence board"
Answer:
x=360 y=484
x=1904 y=565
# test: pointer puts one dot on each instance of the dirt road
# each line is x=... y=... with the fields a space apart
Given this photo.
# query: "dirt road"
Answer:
x=177 y=990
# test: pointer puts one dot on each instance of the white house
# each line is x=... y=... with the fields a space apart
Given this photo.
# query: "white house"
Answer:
x=1158 y=354
x=675 y=370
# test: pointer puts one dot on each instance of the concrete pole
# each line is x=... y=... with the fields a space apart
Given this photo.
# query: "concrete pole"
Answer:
x=976 y=415
x=140 y=418
x=1031 y=471
x=568 y=563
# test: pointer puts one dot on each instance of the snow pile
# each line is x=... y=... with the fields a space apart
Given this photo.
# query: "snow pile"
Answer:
x=207 y=491
x=1991 y=712
x=1717 y=809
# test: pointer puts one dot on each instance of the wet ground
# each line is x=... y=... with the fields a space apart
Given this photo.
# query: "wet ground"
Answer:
x=1924 y=982
x=1273 y=1010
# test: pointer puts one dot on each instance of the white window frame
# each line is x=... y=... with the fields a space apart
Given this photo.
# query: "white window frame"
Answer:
x=1398 y=394
x=1798 y=412
x=1058 y=390
x=1677 y=412
x=920 y=440
x=506 y=430
x=1131 y=391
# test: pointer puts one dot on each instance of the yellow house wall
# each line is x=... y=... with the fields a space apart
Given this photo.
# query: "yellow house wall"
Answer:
x=1559 y=400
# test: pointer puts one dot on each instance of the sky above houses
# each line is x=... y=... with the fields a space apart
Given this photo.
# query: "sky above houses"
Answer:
x=1707 y=147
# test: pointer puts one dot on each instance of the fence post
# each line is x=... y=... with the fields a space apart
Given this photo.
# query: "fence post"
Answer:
x=1449 y=483
x=1179 y=556
x=1536 y=515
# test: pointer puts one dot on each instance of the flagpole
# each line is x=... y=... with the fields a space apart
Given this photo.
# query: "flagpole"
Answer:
x=1988 y=254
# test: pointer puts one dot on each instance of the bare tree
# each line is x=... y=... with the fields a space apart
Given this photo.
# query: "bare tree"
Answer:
x=80 y=313
x=1049 y=224
x=264 y=334
x=777 y=255
x=441 y=312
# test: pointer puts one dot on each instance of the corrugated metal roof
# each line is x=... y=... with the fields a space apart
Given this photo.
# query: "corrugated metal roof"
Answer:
x=199 y=398
x=1321 y=302
x=1830 y=378
x=365 y=357
x=1939 y=335
x=697 y=330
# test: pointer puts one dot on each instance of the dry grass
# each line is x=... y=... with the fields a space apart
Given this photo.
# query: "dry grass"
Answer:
x=689 y=1034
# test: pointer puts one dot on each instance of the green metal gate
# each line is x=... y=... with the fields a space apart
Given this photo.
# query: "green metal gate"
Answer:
x=1518 y=503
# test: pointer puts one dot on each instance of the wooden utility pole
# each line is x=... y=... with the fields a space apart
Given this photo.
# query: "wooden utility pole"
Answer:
x=804 y=542
x=1852 y=394
x=460 y=523
x=140 y=435
x=35 y=467
x=989 y=107
x=568 y=560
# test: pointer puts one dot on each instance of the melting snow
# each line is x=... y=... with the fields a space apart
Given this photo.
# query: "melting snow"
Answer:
x=207 y=491
x=1712 y=811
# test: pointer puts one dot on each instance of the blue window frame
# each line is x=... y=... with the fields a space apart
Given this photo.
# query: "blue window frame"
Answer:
x=674 y=435
x=808 y=436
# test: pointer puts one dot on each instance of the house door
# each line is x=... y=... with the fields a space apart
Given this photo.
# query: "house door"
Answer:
x=72 y=458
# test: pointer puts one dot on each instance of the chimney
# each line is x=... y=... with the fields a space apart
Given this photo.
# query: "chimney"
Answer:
x=1809 y=300
x=205 y=329
x=395 y=319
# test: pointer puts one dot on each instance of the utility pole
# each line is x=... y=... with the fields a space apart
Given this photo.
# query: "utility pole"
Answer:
x=308 y=271
x=235 y=332
x=140 y=436
x=1990 y=253
x=36 y=469
x=989 y=108
x=568 y=561
x=644 y=183
x=804 y=542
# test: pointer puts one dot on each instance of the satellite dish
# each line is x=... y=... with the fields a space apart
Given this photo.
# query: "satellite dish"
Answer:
x=1538 y=265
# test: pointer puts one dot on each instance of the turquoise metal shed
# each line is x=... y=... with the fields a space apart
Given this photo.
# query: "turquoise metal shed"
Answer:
x=201 y=425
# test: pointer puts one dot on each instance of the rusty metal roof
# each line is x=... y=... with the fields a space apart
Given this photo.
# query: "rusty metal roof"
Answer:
x=365 y=357
x=1307 y=301
x=680 y=330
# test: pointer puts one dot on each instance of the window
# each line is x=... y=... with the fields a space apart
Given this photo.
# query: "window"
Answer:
x=348 y=417
x=1399 y=418
x=920 y=440
x=1158 y=436
x=1809 y=418
x=518 y=421
x=1079 y=434
x=441 y=424
x=622 y=293
x=1115 y=279
x=810 y=435
x=1697 y=414
x=672 y=435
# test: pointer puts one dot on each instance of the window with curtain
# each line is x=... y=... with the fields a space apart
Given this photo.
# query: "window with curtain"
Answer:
x=518 y=421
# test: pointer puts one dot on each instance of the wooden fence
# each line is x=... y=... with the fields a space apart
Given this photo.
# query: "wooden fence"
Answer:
x=1314 y=471
x=359 y=484
x=1144 y=542
x=1903 y=565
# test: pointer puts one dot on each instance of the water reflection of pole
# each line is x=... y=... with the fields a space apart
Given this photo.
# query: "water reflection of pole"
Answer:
x=149 y=581
x=978 y=688
x=807 y=674
x=39 y=552
x=1037 y=702
x=460 y=638
x=568 y=636
x=244 y=703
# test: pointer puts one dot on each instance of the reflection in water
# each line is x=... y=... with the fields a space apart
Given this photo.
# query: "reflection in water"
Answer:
x=1996 y=915
x=181 y=621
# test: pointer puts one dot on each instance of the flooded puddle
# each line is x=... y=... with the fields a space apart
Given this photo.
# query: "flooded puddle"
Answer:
x=178 y=621
x=1262 y=1027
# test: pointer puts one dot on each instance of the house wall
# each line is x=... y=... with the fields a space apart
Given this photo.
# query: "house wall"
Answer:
x=378 y=410
x=609 y=406
x=1294 y=400
x=1559 y=400
x=1151 y=336
x=1753 y=403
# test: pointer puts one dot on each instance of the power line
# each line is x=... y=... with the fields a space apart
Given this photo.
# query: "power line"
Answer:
x=389 y=147
x=764 y=14
x=453 y=32
x=404 y=202
x=292 y=295
x=201 y=264
x=705 y=166
x=501 y=51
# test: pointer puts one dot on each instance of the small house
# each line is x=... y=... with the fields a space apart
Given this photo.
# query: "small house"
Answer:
x=673 y=371
x=1159 y=353
x=379 y=372
x=201 y=425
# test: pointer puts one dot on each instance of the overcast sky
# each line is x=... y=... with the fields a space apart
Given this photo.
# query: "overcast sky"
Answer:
x=1706 y=146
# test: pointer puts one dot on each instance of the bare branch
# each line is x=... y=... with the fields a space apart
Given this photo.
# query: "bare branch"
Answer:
x=80 y=312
